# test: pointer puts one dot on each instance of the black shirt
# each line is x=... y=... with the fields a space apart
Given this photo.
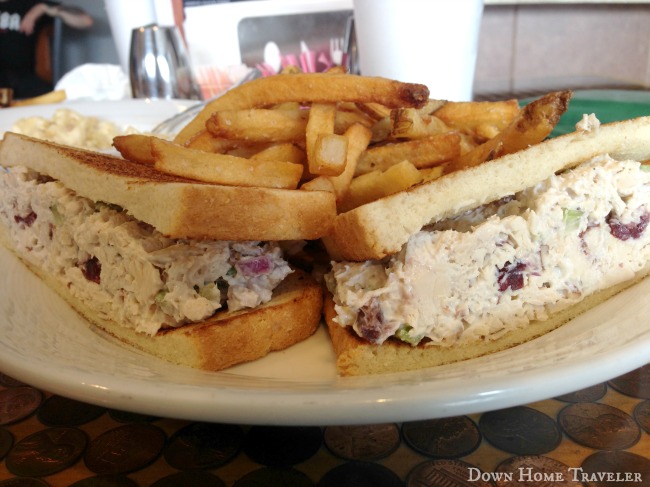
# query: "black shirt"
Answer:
x=18 y=50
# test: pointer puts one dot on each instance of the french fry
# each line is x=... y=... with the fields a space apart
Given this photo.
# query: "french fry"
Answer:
x=135 y=147
x=337 y=69
x=314 y=87
x=484 y=119
x=431 y=173
x=410 y=123
x=358 y=139
x=247 y=151
x=531 y=126
x=56 y=96
x=322 y=118
x=382 y=129
x=375 y=110
x=374 y=185
x=330 y=155
x=320 y=183
x=424 y=152
x=223 y=169
x=347 y=116
x=281 y=152
x=206 y=142
x=259 y=125
x=430 y=107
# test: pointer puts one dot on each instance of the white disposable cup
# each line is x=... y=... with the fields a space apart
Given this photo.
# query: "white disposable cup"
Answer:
x=433 y=42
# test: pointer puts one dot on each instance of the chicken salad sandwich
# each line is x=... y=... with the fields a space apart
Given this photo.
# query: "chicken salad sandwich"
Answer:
x=491 y=256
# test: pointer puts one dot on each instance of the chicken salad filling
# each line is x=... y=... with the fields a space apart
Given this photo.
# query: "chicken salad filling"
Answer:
x=126 y=270
x=505 y=264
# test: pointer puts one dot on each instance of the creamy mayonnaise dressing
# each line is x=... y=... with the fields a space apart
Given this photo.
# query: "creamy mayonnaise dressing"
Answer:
x=497 y=268
x=126 y=270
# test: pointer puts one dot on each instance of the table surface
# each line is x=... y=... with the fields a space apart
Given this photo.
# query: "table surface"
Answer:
x=593 y=437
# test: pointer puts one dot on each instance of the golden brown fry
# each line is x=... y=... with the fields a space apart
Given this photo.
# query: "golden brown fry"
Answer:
x=322 y=117
x=531 y=126
x=358 y=139
x=381 y=130
x=55 y=96
x=223 y=169
x=430 y=107
x=338 y=69
x=409 y=123
x=247 y=151
x=431 y=173
x=135 y=147
x=376 y=111
x=377 y=184
x=424 y=152
x=320 y=183
x=259 y=125
x=484 y=119
x=346 y=116
x=286 y=152
x=291 y=69
x=330 y=155
x=310 y=87
x=206 y=142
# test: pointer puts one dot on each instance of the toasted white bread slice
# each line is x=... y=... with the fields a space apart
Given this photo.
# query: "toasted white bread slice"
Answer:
x=225 y=339
x=381 y=228
x=177 y=207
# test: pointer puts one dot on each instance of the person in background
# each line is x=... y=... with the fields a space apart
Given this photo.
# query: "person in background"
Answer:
x=20 y=22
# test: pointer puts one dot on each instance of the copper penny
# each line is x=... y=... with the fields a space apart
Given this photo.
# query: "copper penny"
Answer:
x=125 y=449
x=8 y=381
x=203 y=445
x=360 y=474
x=46 y=452
x=610 y=468
x=195 y=478
x=61 y=411
x=443 y=438
x=17 y=403
x=363 y=442
x=520 y=430
x=105 y=481
x=451 y=473
x=274 y=477
x=599 y=426
x=129 y=417
x=533 y=471
x=23 y=482
x=635 y=383
x=282 y=446
x=588 y=394
x=6 y=442
x=642 y=415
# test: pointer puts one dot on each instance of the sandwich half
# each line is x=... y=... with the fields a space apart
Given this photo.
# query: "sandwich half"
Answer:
x=489 y=257
x=192 y=273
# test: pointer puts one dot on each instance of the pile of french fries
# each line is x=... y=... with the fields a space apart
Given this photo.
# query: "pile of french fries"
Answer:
x=361 y=138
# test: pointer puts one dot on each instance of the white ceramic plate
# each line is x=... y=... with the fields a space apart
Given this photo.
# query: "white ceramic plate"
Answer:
x=45 y=343
x=141 y=114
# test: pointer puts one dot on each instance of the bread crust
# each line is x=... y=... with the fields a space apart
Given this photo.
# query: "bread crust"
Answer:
x=177 y=207
x=355 y=356
x=381 y=228
x=230 y=338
